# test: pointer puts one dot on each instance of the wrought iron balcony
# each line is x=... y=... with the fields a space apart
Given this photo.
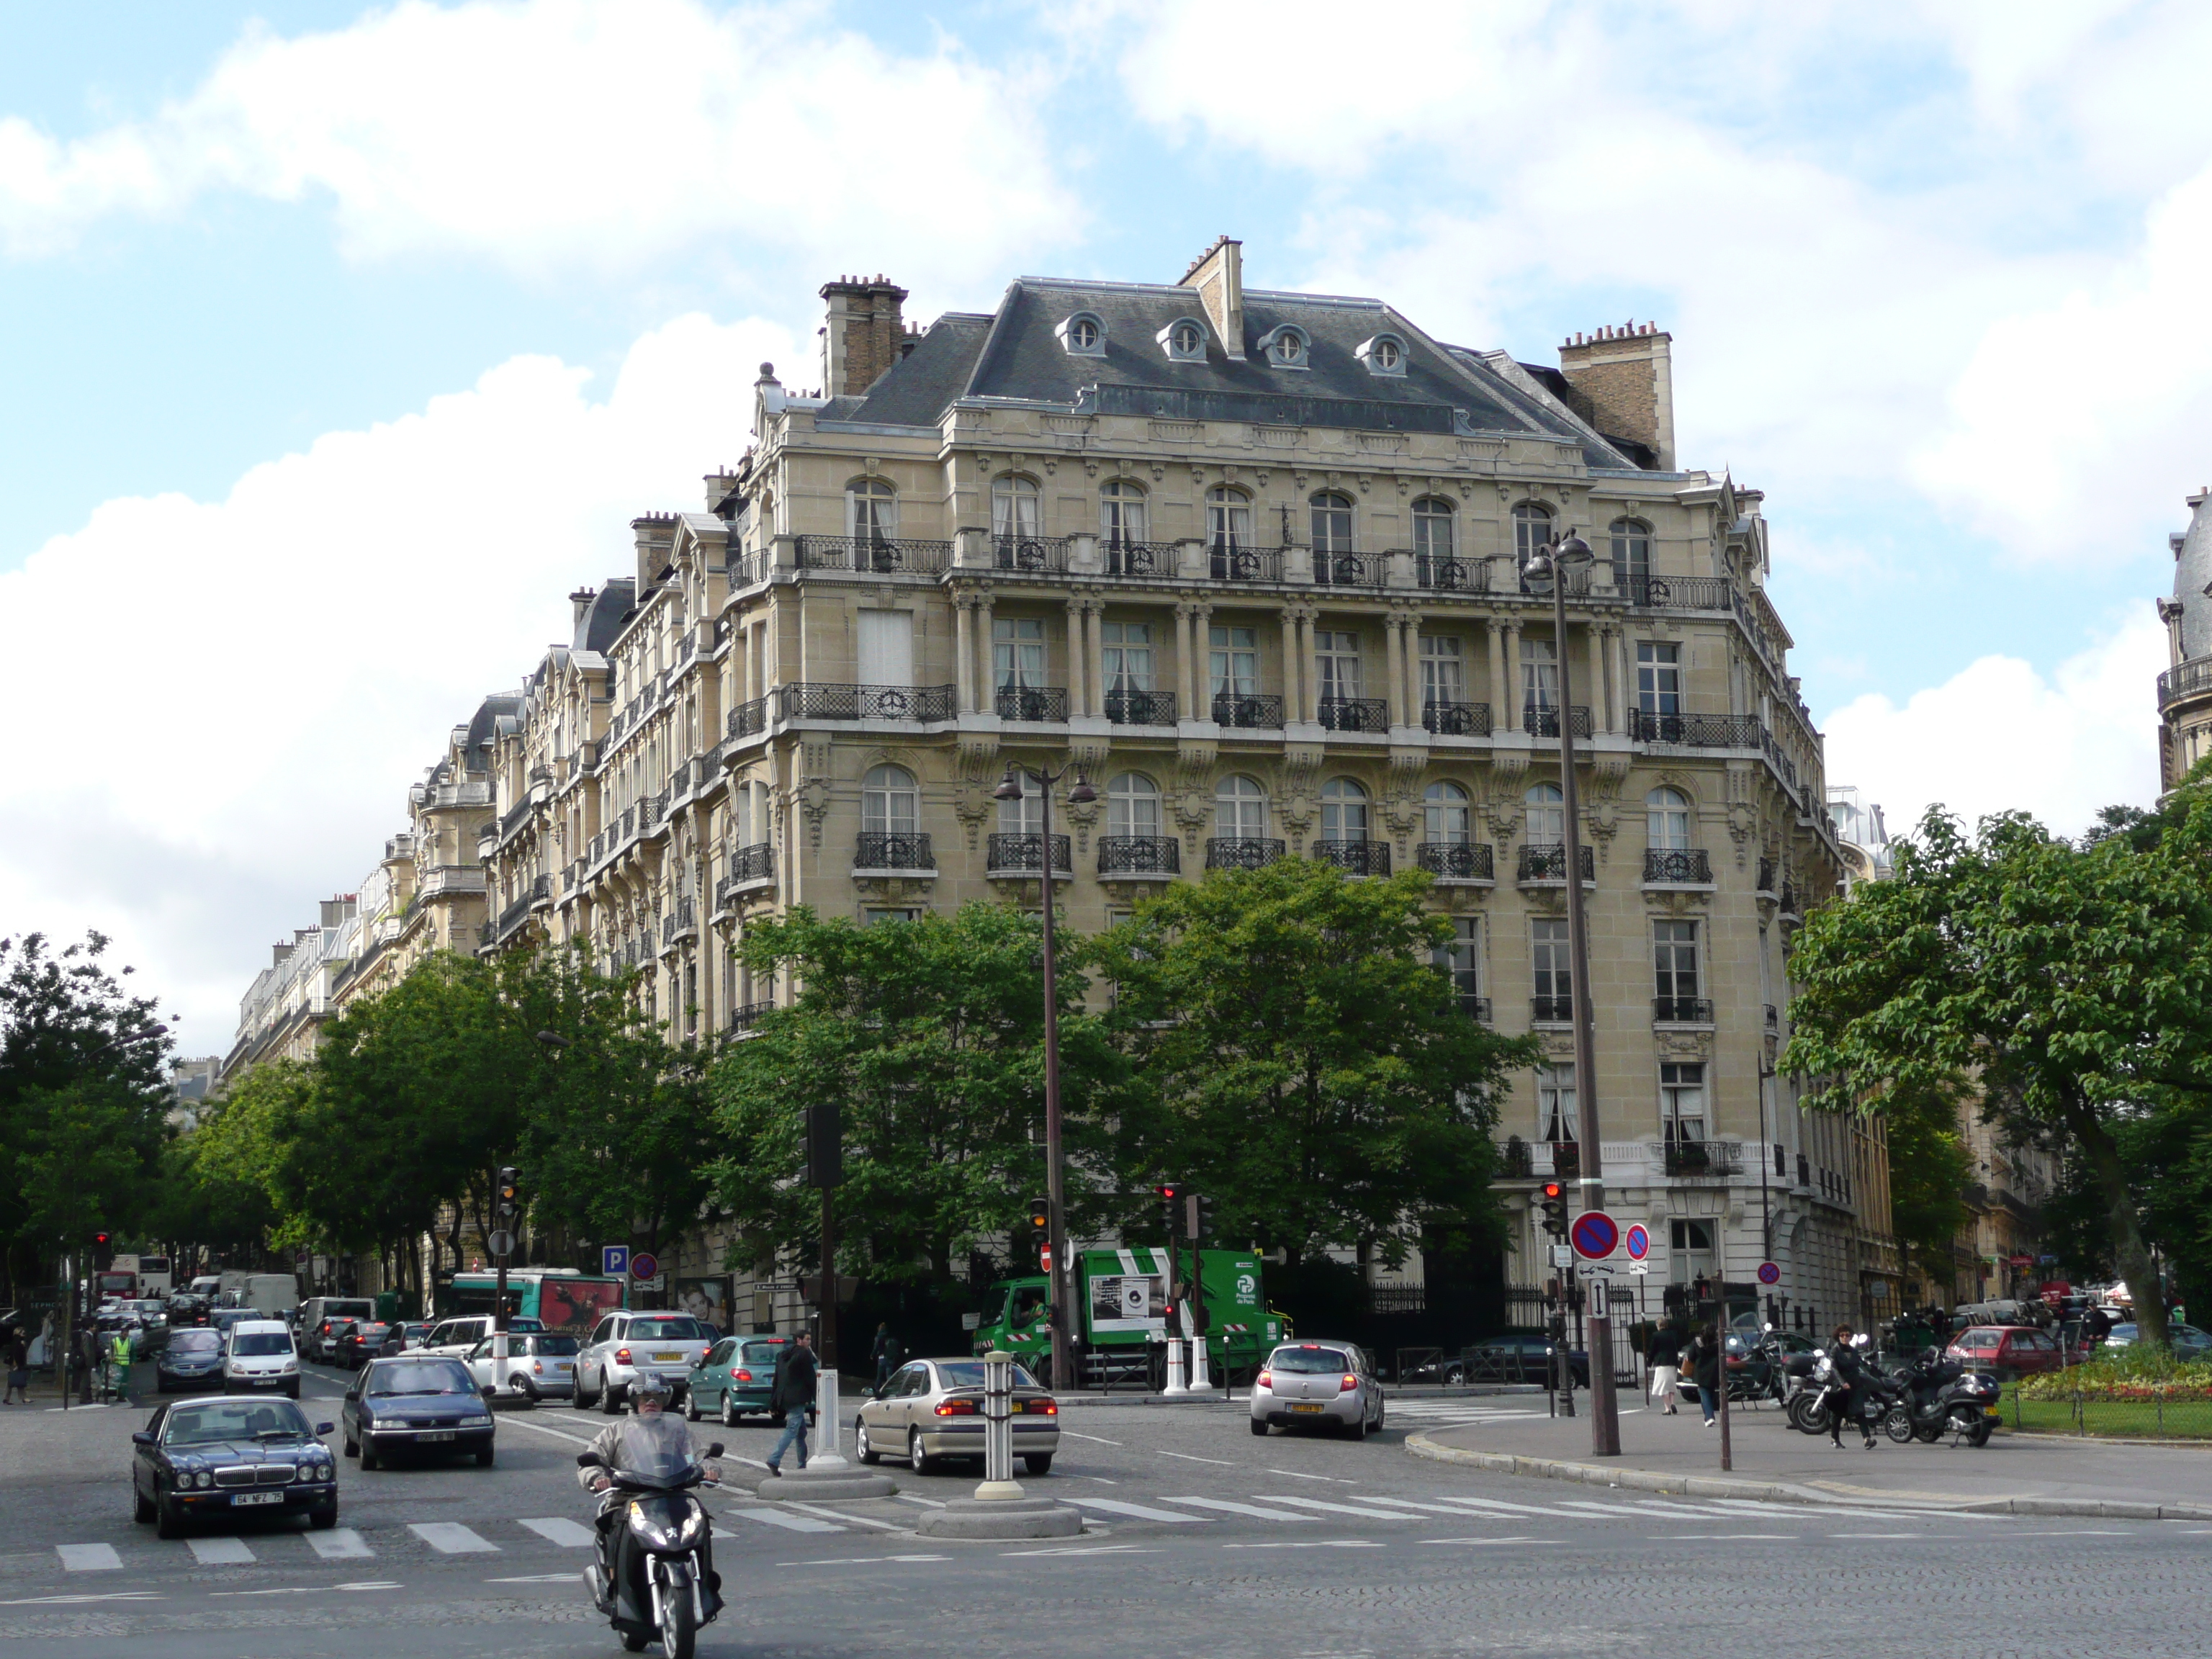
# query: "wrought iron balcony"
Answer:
x=1024 y=850
x=753 y=863
x=677 y=924
x=1476 y=1007
x=1514 y=1162
x=747 y=720
x=1229 y=562
x=1457 y=860
x=1139 y=855
x=926 y=704
x=1675 y=592
x=1790 y=899
x=881 y=849
x=1681 y=866
x=1348 y=569
x=541 y=890
x=1541 y=722
x=1681 y=1010
x=1234 y=709
x=1695 y=731
x=1127 y=558
x=746 y=1015
x=1240 y=852
x=1456 y=719
x=1035 y=553
x=1467 y=995
x=1358 y=858
x=2192 y=678
x=1555 y=1009
x=1773 y=1020
x=1040 y=704
x=1703 y=1157
x=1125 y=706
x=1766 y=875
x=1355 y=714
x=1546 y=861
x=1450 y=574
x=874 y=555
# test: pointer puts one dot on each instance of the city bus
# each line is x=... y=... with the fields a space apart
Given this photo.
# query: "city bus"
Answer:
x=564 y=1300
x=153 y=1275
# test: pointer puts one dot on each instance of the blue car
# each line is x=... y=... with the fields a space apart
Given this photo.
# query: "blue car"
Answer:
x=223 y=1459
x=417 y=1402
x=191 y=1358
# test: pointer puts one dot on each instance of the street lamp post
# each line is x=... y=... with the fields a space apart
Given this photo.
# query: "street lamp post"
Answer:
x=1010 y=788
x=1552 y=563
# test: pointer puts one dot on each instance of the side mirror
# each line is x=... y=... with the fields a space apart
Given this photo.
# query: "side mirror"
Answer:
x=142 y=1438
x=487 y=1391
x=590 y=1459
x=353 y=1393
x=325 y=1428
x=714 y=1449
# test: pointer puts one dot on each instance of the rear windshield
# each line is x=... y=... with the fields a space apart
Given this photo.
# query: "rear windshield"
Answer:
x=969 y=1374
x=194 y=1341
x=762 y=1353
x=1301 y=1361
x=677 y=1327
x=1980 y=1339
x=260 y=1342
x=419 y=1376
x=552 y=1345
x=337 y=1309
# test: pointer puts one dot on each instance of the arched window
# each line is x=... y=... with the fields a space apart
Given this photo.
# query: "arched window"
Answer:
x=1284 y=346
x=1343 y=811
x=1451 y=819
x=1121 y=514
x=1383 y=355
x=1228 y=517
x=1083 y=335
x=1632 y=550
x=1183 y=340
x=871 y=510
x=1332 y=523
x=1133 y=806
x=1014 y=507
x=1532 y=529
x=1547 y=815
x=1240 y=808
x=890 y=803
x=1433 y=523
x=1667 y=820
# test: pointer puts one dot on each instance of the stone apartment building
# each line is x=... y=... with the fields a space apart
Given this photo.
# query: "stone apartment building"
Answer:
x=2184 y=691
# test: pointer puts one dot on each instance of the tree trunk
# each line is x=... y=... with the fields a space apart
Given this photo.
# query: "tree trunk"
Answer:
x=2129 y=1253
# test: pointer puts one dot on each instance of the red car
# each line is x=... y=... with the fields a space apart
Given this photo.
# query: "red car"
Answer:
x=2010 y=1350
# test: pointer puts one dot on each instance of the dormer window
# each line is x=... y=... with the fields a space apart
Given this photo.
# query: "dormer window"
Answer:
x=1284 y=347
x=1183 y=340
x=1383 y=355
x=1083 y=335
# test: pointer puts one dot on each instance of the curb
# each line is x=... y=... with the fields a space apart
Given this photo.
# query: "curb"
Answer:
x=1698 y=1485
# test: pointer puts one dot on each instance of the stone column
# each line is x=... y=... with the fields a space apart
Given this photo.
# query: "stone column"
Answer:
x=1293 y=704
x=1094 y=618
x=1501 y=714
x=1414 y=668
x=1513 y=674
x=985 y=702
x=1079 y=678
x=964 y=652
x=1393 y=673
x=1310 y=663
x=1185 y=676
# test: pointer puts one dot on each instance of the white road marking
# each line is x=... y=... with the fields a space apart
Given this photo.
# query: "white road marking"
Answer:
x=559 y=1529
x=1142 y=1512
x=861 y=1560
x=451 y=1538
x=1069 y=1434
x=58 y=1601
x=1253 y=1509
x=1415 y=1504
x=1489 y=1541
x=369 y=1585
x=1088 y=1549
x=221 y=1551
x=1733 y=1537
x=1495 y=1505
x=339 y=1544
x=540 y=1579
x=508 y=1421
x=89 y=1558
x=768 y=1518
x=1312 y=1543
x=1334 y=1508
x=927 y=1503
x=836 y=1515
x=1187 y=1458
x=1295 y=1474
x=1584 y=1506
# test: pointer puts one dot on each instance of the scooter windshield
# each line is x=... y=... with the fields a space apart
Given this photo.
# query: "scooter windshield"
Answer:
x=656 y=1449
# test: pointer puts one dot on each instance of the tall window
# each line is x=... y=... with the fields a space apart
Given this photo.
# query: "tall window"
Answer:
x=1332 y=523
x=1024 y=817
x=1682 y=1099
x=1449 y=820
x=890 y=803
x=1555 y=1100
x=1133 y=806
x=1443 y=670
x=1658 y=676
x=1540 y=674
x=1337 y=655
x=1532 y=529
x=1121 y=513
x=1343 y=811
x=871 y=510
x=1233 y=656
x=1432 y=527
x=1631 y=549
x=1691 y=1257
x=1547 y=816
x=1240 y=808
x=1014 y=507
x=1667 y=820
x=1553 y=966
x=1125 y=655
x=1462 y=957
x=1017 y=651
x=1674 y=962
x=1228 y=519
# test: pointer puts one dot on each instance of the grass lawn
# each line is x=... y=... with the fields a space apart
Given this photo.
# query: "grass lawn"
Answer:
x=2185 y=1419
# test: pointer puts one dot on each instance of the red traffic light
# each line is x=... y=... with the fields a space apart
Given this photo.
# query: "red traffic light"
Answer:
x=1171 y=1190
x=1552 y=1190
x=101 y=1238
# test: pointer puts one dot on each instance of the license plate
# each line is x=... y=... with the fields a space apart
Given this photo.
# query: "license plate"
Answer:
x=1305 y=1408
x=238 y=1498
x=564 y=1366
x=433 y=1434
x=667 y=1357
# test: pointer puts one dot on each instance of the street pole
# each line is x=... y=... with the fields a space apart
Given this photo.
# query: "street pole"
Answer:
x=825 y=1454
x=1605 y=1418
x=68 y=1325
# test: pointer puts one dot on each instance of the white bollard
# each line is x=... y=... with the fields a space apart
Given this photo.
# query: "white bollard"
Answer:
x=999 y=1483
x=1176 y=1385
x=821 y=1445
x=1201 y=1377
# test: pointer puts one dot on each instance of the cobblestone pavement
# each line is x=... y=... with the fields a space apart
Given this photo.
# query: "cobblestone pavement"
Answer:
x=1201 y=1538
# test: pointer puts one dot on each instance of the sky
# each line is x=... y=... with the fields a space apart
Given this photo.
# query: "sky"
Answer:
x=342 y=343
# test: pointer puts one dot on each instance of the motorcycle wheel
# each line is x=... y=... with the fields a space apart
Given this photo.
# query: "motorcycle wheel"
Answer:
x=1980 y=1437
x=632 y=1644
x=1928 y=1434
x=679 y=1627
x=1805 y=1416
x=1897 y=1423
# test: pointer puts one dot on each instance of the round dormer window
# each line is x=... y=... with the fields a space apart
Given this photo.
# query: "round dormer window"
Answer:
x=1289 y=348
x=1083 y=335
x=1187 y=340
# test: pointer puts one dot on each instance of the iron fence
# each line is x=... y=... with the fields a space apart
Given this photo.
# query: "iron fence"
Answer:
x=1357 y=858
x=1233 y=708
x=1125 y=706
x=1149 y=856
x=1457 y=860
x=812 y=700
x=1024 y=850
x=1688 y=867
x=1370 y=714
x=1456 y=719
x=873 y=555
x=1546 y=861
x=1240 y=852
x=880 y=849
x=1039 y=704
x=1544 y=722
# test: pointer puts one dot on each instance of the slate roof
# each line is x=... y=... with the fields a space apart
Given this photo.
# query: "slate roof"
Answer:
x=604 y=617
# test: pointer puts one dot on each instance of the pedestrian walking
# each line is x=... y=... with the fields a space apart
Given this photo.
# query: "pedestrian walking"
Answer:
x=1703 y=1357
x=1664 y=1354
x=792 y=1393
x=18 y=1368
x=889 y=1353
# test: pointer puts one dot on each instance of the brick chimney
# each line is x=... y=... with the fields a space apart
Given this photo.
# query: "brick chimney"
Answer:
x=1626 y=379
x=1217 y=275
x=656 y=545
x=862 y=333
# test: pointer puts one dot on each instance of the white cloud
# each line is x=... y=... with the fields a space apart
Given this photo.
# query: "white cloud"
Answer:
x=548 y=134
x=225 y=702
x=1997 y=737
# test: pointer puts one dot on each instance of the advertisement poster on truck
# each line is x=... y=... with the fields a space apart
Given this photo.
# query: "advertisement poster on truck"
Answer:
x=1128 y=1302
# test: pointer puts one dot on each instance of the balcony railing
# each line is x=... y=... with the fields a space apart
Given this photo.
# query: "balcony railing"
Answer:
x=1449 y=574
x=1566 y=1160
x=747 y=720
x=1675 y=592
x=746 y=1015
x=1019 y=850
x=1474 y=1007
x=1139 y=855
x=1124 y=558
x=872 y=555
x=1456 y=719
x=1466 y=994
x=1790 y=899
x=1681 y=866
x=1703 y=1157
x=1355 y=714
x=1125 y=706
x=1038 y=553
x=753 y=863
x=1240 y=852
x=1766 y=875
x=1695 y=731
x=541 y=890
x=2192 y=678
x=1773 y=1020
x=1546 y=861
x=1681 y=1010
x=881 y=849
x=1555 y=1009
x=1457 y=860
x=678 y=923
x=1358 y=858
x=1348 y=569
x=1234 y=709
x=1543 y=722
x=1229 y=563
x=814 y=701
x=1044 y=705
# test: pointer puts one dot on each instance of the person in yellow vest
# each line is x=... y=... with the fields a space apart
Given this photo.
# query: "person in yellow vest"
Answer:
x=119 y=1362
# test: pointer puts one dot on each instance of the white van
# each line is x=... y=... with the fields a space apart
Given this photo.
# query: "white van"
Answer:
x=277 y=1295
x=258 y=1356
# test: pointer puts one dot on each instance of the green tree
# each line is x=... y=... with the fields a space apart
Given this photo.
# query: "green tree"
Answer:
x=1929 y=1164
x=2068 y=981
x=1305 y=1062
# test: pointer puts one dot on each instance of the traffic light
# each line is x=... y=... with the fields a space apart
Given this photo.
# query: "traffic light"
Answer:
x=1201 y=1208
x=1172 y=1193
x=1555 y=1209
x=825 y=1144
x=101 y=1240
x=1038 y=1218
x=1041 y=1214
x=510 y=1192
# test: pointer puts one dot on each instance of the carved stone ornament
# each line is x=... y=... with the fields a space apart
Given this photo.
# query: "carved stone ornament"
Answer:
x=1688 y=1045
x=1558 y=1045
x=889 y=890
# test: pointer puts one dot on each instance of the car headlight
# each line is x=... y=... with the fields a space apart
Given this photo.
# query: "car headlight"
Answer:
x=204 y=1477
x=476 y=1422
x=303 y=1472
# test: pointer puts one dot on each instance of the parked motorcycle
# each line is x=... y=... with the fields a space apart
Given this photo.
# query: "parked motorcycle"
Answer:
x=654 y=1579
x=1808 y=1408
x=1943 y=1397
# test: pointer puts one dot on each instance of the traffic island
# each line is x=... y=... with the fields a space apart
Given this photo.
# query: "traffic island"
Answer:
x=1010 y=1519
x=815 y=1486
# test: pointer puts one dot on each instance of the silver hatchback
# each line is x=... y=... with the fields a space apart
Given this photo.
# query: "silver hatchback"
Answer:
x=931 y=1410
x=1321 y=1385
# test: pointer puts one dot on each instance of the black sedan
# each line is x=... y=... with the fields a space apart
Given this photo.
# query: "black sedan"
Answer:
x=223 y=1459
x=1516 y=1358
x=191 y=1358
x=417 y=1402
x=354 y=1342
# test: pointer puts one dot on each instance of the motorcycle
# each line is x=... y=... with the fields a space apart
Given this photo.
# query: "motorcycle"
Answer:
x=1807 y=1408
x=1943 y=1397
x=654 y=1579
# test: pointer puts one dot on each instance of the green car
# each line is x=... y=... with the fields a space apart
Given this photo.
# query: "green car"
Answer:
x=733 y=1378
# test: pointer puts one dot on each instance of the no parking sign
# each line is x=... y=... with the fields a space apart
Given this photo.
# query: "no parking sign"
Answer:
x=1594 y=1235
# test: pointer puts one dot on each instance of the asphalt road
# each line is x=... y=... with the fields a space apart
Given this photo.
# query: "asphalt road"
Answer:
x=1202 y=1538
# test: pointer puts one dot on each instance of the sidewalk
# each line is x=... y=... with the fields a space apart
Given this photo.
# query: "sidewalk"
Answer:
x=2022 y=1475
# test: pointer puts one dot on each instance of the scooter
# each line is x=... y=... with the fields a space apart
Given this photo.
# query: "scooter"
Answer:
x=655 y=1580
x=1943 y=1397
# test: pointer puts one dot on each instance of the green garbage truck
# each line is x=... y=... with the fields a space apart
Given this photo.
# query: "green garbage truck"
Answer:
x=1120 y=1323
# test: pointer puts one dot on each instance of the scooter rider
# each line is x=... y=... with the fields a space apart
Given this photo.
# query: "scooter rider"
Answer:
x=1850 y=1370
x=649 y=1395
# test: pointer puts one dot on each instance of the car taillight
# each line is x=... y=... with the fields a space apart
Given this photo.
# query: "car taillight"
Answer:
x=956 y=1408
x=740 y=1377
x=622 y=1356
x=1266 y=1381
x=1049 y=1407
x=1349 y=1384
x=538 y=1367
